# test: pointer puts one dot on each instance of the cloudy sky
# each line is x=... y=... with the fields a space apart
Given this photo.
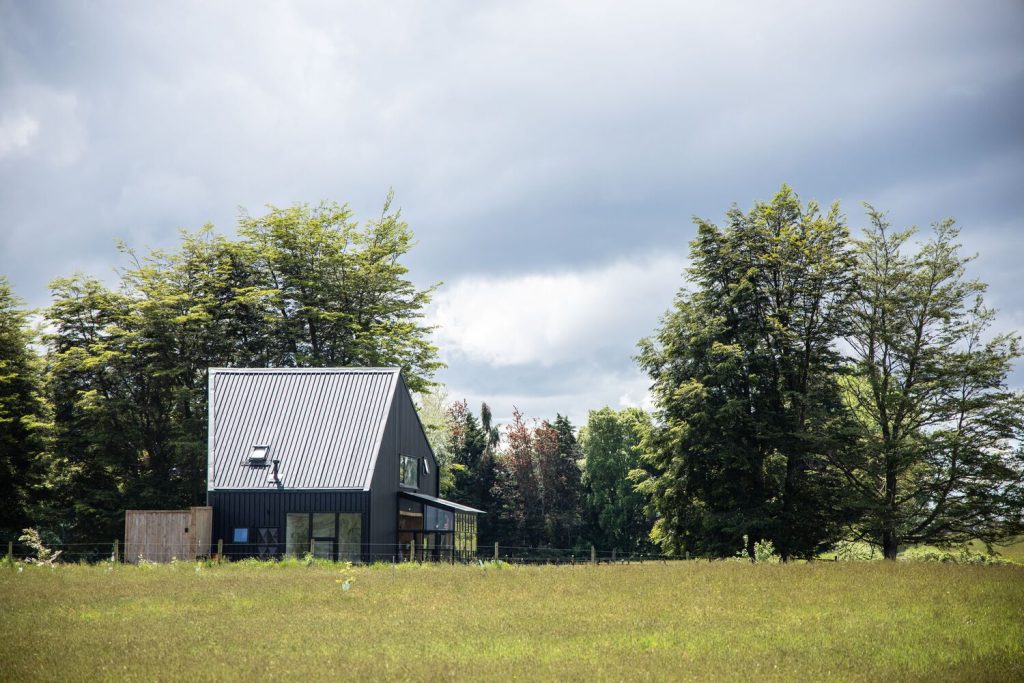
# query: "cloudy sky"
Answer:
x=549 y=156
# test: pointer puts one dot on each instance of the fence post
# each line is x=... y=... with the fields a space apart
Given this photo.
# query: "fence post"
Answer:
x=613 y=554
x=593 y=555
x=687 y=554
x=495 y=551
x=412 y=550
x=10 y=551
x=220 y=550
x=117 y=551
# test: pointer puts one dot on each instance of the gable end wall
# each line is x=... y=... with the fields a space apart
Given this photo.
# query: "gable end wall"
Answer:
x=403 y=435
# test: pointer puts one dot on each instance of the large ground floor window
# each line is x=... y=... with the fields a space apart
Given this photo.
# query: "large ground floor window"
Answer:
x=427 y=532
x=326 y=535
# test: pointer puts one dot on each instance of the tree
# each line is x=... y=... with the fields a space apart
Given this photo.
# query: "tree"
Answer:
x=516 y=489
x=939 y=459
x=558 y=457
x=743 y=371
x=433 y=408
x=23 y=416
x=485 y=476
x=302 y=286
x=611 y=449
x=338 y=294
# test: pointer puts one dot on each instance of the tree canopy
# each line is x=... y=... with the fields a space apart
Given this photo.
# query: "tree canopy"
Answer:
x=301 y=286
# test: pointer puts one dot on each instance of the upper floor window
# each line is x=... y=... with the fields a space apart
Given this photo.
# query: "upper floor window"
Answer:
x=408 y=472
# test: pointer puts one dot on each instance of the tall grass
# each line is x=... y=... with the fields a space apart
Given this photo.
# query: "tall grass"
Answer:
x=684 y=620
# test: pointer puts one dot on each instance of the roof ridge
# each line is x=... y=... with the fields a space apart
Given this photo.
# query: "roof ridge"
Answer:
x=310 y=371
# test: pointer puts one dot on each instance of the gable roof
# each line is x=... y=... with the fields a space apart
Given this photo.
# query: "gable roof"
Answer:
x=324 y=425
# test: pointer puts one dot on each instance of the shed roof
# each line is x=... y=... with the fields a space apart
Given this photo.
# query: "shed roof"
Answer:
x=324 y=425
x=439 y=502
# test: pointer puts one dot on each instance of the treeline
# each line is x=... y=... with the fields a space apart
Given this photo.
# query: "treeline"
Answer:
x=809 y=387
x=113 y=414
x=542 y=485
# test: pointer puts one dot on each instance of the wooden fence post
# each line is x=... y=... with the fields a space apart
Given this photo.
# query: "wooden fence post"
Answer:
x=613 y=554
x=593 y=555
x=10 y=552
x=495 y=551
x=220 y=550
x=412 y=550
x=117 y=551
x=687 y=554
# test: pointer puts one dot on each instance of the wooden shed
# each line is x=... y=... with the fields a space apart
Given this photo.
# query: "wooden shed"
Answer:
x=165 y=535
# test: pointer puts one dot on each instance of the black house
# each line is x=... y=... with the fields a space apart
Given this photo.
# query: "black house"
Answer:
x=332 y=461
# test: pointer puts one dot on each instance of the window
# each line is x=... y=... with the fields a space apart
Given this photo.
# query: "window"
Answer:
x=331 y=536
x=408 y=474
x=240 y=536
x=258 y=455
x=439 y=520
x=426 y=466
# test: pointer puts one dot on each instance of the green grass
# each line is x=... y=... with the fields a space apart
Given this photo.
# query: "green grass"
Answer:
x=683 y=620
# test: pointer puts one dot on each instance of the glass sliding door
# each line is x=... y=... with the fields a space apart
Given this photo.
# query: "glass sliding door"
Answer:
x=324 y=535
x=350 y=536
x=296 y=534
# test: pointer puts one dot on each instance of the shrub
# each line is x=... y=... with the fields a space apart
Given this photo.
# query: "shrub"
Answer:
x=44 y=555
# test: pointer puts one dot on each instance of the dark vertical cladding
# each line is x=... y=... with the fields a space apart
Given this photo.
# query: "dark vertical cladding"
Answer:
x=413 y=440
x=321 y=426
x=403 y=435
x=253 y=510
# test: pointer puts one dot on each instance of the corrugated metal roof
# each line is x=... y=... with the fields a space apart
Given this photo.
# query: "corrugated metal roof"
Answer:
x=323 y=425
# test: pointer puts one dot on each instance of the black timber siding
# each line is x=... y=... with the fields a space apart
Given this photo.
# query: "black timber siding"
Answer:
x=403 y=435
x=254 y=509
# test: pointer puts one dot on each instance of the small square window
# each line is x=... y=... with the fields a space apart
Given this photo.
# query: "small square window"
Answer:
x=259 y=454
x=240 y=536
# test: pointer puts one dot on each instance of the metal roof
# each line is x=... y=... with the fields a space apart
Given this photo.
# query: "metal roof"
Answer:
x=323 y=425
x=439 y=502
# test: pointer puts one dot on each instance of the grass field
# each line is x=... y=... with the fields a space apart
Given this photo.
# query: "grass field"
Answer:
x=683 y=620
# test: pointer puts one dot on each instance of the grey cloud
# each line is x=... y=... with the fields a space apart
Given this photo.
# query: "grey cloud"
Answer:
x=525 y=137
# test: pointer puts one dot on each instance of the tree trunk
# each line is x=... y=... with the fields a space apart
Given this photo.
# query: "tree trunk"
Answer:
x=890 y=545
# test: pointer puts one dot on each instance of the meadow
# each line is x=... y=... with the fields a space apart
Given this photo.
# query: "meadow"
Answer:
x=662 y=621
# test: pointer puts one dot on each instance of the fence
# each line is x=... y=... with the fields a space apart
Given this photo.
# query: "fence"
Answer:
x=160 y=535
x=118 y=550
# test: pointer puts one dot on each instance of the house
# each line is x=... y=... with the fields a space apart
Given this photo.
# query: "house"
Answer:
x=332 y=461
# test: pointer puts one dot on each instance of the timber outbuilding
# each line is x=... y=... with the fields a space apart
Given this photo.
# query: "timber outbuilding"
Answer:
x=328 y=461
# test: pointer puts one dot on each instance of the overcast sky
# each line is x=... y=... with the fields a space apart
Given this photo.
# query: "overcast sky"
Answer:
x=548 y=156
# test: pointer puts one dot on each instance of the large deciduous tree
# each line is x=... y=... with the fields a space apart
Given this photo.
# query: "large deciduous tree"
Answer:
x=744 y=374
x=939 y=460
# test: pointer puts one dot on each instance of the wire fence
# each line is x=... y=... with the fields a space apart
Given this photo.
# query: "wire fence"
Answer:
x=327 y=551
